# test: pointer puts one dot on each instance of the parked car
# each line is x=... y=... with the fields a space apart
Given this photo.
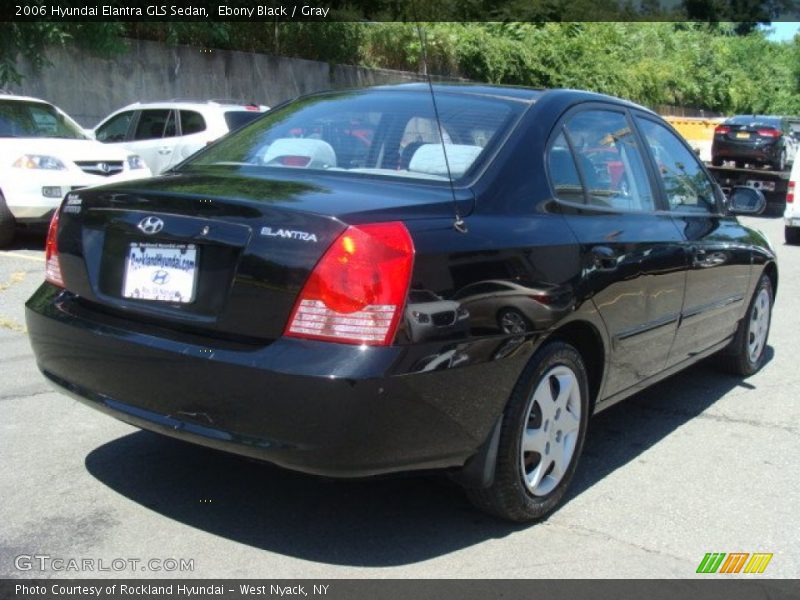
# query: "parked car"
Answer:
x=43 y=155
x=254 y=299
x=165 y=133
x=754 y=139
x=791 y=216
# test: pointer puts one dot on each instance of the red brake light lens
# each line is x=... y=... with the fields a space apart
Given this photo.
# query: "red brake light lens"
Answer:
x=295 y=161
x=769 y=132
x=722 y=129
x=790 y=193
x=357 y=291
x=52 y=268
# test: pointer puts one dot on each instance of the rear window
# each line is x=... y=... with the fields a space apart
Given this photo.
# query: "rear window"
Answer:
x=755 y=121
x=239 y=118
x=370 y=133
x=35 y=119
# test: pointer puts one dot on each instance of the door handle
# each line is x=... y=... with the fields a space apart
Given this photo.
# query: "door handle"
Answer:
x=165 y=150
x=604 y=258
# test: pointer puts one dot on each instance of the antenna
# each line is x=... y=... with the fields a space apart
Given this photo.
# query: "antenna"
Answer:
x=459 y=224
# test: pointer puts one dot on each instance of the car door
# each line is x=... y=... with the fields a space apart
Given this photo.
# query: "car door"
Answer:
x=154 y=137
x=633 y=261
x=718 y=260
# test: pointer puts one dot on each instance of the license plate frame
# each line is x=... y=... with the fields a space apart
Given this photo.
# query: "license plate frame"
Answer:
x=161 y=272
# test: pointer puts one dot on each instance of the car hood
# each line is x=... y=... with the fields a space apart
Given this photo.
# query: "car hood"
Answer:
x=69 y=150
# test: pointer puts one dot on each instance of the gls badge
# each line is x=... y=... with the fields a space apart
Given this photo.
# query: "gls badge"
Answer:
x=289 y=234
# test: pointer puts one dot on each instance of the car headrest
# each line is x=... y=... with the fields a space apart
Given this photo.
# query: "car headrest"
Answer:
x=429 y=158
x=319 y=152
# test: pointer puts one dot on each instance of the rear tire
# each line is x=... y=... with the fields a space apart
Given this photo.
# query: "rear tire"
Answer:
x=748 y=349
x=791 y=235
x=7 y=224
x=543 y=430
x=780 y=164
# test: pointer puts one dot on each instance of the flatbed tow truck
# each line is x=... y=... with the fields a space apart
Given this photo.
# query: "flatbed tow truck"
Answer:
x=773 y=184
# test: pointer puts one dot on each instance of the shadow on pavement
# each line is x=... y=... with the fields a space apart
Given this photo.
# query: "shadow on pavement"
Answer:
x=378 y=522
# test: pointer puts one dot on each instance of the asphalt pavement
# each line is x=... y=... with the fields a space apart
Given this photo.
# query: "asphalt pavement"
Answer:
x=702 y=462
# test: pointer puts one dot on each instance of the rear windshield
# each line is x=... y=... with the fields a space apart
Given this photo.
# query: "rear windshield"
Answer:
x=35 y=119
x=370 y=133
x=238 y=118
x=755 y=121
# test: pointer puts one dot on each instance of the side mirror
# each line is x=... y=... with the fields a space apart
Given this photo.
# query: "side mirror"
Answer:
x=746 y=201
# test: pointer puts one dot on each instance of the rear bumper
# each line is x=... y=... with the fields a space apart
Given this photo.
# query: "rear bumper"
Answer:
x=327 y=409
x=734 y=151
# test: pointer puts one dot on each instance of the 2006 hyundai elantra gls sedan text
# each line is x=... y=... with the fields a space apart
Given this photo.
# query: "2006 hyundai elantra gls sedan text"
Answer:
x=303 y=290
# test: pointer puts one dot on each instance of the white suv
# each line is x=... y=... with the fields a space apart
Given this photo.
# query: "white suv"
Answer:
x=44 y=154
x=791 y=216
x=165 y=133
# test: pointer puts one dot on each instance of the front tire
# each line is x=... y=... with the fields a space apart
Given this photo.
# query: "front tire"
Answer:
x=541 y=438
x=7 y=224
x=748 y=350
x=791 y=235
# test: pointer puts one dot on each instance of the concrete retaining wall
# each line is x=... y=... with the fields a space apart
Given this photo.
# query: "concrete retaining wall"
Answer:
x=88 y=88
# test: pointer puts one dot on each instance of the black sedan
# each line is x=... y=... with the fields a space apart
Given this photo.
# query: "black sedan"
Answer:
x=756 y=140
x=260 y=298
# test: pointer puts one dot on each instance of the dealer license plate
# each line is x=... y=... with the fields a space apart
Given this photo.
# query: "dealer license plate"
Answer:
x=743 y=135
x=164 y=272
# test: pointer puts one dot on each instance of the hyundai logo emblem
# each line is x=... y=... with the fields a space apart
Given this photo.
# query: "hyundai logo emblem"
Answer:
x=160 y=277
x=151 y=225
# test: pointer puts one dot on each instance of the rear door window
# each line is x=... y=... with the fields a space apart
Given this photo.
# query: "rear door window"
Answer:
x=610 y=161
x=152 y=124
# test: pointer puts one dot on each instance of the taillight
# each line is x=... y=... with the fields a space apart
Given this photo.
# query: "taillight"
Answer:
x=771 y=133
x=790 y=193
x=357 y=291
x=52 y=264
x=722 y=129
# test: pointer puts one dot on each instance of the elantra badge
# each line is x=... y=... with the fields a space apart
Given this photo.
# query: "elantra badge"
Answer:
x=150 y=225
x=289 y=234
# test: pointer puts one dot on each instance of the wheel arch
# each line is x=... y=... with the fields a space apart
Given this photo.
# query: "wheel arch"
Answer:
x=771 y=271
x=588 y=341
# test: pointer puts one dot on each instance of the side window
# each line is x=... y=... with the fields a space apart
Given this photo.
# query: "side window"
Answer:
x=686 y=184
x=610 y=161
x=171 y=129
x=563 y=172
x=192 y=122
x=115 y=129
x=152 y=124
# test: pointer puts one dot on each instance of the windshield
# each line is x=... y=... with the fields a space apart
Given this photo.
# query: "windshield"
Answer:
x=35 y=119
x=376 y=132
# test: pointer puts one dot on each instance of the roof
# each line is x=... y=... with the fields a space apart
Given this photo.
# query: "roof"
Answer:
x=476 y=89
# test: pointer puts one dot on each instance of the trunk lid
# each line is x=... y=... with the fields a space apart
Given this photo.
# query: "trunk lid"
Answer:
x=214 y=253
